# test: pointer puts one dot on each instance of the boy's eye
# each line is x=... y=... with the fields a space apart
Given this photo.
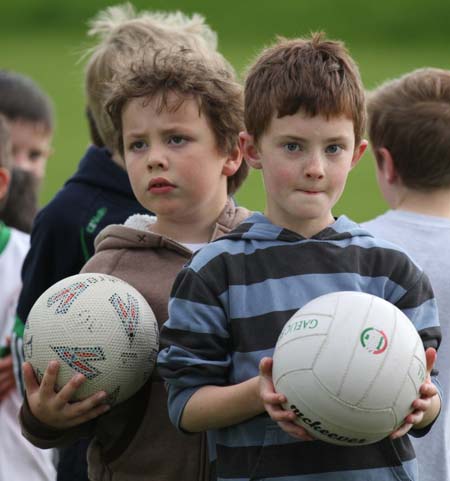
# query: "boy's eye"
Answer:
x=177 y=140
x=333 y=149
x=137 y=146
x=292 y=147
x=35 y=155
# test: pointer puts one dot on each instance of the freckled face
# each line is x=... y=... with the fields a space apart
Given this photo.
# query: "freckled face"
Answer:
x=305 y=162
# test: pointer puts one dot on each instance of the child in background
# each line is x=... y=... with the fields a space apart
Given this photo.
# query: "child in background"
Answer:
x=19 y=460
x=29 y=113
x=305 y=117
x=99 y=193
x=178 y=116
x=409 y=121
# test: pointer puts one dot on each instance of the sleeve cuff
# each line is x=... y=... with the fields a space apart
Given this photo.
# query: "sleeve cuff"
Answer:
x=178 y=399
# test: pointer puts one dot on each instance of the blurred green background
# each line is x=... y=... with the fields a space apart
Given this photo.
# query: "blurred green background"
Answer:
x=45 y=38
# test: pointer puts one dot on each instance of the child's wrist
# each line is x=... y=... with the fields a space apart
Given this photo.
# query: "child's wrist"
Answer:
x=257 y=399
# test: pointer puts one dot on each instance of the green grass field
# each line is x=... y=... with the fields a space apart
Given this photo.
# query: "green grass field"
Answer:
x=45 y=39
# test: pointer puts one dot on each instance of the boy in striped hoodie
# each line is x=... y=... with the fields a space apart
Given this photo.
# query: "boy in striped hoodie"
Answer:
x=305 y=117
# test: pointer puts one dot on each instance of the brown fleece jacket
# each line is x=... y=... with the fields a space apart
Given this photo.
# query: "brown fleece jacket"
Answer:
x=135 y=441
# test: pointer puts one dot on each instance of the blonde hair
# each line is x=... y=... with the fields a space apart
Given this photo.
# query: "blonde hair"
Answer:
x=123 y=34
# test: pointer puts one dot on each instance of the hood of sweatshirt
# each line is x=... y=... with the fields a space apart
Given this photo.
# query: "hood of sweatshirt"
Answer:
x=259 y=227
x=136 y=232
x=98 y=169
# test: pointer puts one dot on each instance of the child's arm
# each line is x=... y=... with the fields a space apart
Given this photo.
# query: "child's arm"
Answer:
x=52 y=411
x=214 y=407
x=205 y=389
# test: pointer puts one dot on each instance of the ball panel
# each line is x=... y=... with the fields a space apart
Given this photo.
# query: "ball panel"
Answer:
x=290 y=357
x=418 y=369
x=389 y=382
x=344 y=345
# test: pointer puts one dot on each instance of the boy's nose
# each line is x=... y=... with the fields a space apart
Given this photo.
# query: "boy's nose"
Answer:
x=21 y=159
x=156 y=160
x=314 y=168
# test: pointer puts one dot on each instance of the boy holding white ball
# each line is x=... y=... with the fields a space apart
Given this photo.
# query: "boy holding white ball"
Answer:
x=305 y=117
x=178 y=113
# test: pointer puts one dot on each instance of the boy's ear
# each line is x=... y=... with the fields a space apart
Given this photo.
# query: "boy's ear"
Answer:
x=250 y=150
x=359 y=151
x=385 y=165
x=5 y=178
x=233 y=162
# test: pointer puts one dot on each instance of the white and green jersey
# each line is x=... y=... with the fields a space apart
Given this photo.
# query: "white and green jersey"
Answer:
x=19 y=459
x=13 y=248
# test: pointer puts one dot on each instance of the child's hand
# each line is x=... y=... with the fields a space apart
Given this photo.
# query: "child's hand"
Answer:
x=273 y=403
x=427 y=406
x=54 y=408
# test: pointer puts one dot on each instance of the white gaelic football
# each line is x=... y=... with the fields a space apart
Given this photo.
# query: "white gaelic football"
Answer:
x=96 y=325
x=350 y=364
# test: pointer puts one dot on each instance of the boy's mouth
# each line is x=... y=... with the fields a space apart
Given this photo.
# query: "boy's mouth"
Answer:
x=310 y=191
x=160 y=185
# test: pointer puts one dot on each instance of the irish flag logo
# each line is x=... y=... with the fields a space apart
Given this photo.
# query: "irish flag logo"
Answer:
x=374 y=340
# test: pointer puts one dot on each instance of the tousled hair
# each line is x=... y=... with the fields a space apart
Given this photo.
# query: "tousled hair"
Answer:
x=21 y=99
x=314 y=75
x=122 y=34
x=410 y=117
x=209 y=80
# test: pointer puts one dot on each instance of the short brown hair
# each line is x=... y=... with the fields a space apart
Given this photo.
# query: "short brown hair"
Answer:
x=315 y=75
x=123 y=33
x=410 y=117
x=21 y=99
x=5 y=144
x=210 y=80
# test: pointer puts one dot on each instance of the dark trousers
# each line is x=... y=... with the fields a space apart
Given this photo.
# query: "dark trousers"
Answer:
x=72 y=464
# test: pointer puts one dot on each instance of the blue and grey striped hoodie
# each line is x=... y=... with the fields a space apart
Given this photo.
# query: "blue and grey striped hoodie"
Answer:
x=227 y=308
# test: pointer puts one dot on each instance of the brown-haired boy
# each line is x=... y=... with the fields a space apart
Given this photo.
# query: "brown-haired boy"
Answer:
x=178 y=116
x=99 y=193
x=304 y=117
x=409 y=119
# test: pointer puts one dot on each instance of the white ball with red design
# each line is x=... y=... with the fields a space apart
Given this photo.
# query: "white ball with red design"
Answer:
x=350 y=364
x=97 y=325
